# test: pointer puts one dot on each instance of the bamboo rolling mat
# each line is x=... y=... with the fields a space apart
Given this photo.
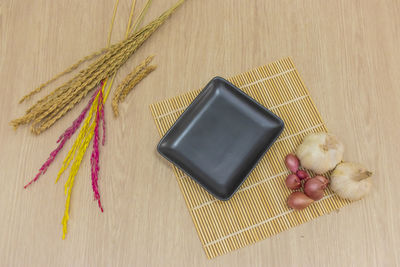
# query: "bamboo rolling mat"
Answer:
x=258 y=209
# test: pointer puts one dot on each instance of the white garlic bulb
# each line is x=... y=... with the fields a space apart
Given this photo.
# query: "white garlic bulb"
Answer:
x=351 y=180
x=320 y=152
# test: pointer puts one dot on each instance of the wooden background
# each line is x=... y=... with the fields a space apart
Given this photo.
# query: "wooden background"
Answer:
x=347 y=53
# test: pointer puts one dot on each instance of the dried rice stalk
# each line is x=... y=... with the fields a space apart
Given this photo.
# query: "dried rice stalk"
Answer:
x=125 y=82
x=49 y=109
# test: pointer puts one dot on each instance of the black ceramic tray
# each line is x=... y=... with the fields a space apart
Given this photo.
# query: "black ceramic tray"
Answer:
x=220 y=137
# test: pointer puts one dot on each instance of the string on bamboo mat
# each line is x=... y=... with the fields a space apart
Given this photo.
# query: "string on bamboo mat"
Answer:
x=100 y=74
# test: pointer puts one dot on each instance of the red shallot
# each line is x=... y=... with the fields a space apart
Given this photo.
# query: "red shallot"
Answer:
x=293 y=182
x=292 y=162
x=302 y=174
x=323 y=180
x=299 y=201
x=314 y=188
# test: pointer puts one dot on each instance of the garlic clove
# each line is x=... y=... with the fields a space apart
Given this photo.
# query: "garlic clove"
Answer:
x=351 y=180
x=320 y=152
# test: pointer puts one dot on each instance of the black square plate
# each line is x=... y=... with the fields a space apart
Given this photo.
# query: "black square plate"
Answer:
x=220 y=137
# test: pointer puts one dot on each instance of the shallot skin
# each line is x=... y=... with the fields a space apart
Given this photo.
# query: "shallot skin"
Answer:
x=322 y=179
x=314 y=188
x=293 y=182
x=302 y=174
x=292 y=162
x=298 y=200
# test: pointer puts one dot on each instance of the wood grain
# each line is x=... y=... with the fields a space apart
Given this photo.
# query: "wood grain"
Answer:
x=346 y=52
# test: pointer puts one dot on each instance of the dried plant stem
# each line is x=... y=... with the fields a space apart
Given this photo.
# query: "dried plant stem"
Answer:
x=87 y=136
x=68 y=70
x=143 y=74
x=49 y=109
x=130 y=77
x=112 y=23
x=139 y=20
x=128 y=28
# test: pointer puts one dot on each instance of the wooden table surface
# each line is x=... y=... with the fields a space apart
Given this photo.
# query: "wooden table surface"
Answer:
x=347 y=53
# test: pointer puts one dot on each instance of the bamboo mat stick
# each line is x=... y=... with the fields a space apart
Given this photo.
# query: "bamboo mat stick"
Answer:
x=258 y=210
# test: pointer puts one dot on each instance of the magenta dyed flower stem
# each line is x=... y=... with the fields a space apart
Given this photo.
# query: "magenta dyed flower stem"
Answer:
x=94 y=160
x=65 y=137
